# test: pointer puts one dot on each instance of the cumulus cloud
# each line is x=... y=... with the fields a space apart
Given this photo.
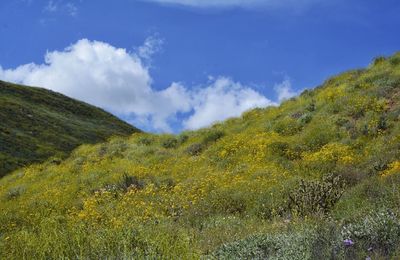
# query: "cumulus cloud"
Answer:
x=223 y=99
x=92 y=71
x=284 y=90
x=119 y=81
x=238 y=3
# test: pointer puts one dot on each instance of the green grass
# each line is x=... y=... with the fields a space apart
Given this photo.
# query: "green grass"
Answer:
x=37 y=124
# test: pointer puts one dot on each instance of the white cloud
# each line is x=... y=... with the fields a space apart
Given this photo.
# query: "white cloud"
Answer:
x=238 y=3
x=54 y=6
x=120 y=82
x=71 y=9
x=222 y=99
x=284 y=90
x=151 y=45
x=51 y=7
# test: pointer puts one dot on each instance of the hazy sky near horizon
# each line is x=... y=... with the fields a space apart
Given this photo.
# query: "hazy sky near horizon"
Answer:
x=169 y=65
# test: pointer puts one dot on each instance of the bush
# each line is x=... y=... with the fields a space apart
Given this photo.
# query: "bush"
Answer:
x=311 y=107
x=385 y=86
x=287 y=126
x=128 y=181
x=395 y=60
x=213 y=136
x=382 y=124
x=342 y=122
x=279 y=148
x=116 y=148
x=15 y=192
x=169 y=143
x=350 y=174
x=379 y=231
x=195 y=149
x=183 y=138
x=307 y=93
x=305 y=119
x=319 y=134
x=378 y=60
x=144 y=140
x=286 y=150
x=316 y=197
x=229 y=202
x=291 y=245
x=375 y=236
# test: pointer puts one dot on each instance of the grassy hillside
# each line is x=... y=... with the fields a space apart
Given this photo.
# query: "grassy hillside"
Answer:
x=315 y=178
x=37 y=124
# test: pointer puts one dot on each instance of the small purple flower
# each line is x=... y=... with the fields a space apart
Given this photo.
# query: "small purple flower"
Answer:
x=348 y=242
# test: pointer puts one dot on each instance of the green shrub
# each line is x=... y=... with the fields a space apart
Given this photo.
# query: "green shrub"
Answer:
x=379 y=60
x=195 y=149
x=213 y=136
x=394 y=60
x=318 y=133
x=116 y=148
x=377 y=235
x=183 y=138
x=316 y=197
x=382 y=123
x=287 y=245
x=296 y=115
x=169 y=143
x=279 y=148
x=305 y=119
x=385 y=86
x=229 y=202
x=287 y=126
x=144 y=140
x=342 y=122
x=311 y=107
x=271 y=205
x=15 y=192
x=350 y=174
x=307 y=93
x=379 y=231
x=128 y=181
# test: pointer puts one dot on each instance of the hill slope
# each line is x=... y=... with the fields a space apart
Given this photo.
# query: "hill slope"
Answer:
x=37 y=123
x=316 y=178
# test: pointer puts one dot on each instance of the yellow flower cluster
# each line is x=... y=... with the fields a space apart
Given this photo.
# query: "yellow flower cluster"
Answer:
x=394 y=168
x=331 y=153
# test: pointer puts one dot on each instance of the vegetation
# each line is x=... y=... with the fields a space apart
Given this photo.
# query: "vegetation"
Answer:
x=37 y=124
x=315 y=178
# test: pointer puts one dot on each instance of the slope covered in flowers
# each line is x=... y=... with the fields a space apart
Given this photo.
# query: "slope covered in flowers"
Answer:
x=315 y=178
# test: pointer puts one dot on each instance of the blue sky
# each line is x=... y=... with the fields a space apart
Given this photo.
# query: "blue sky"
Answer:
x=168 y=65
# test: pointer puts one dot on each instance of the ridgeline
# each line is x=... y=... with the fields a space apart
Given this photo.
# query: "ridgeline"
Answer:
x=36 y=124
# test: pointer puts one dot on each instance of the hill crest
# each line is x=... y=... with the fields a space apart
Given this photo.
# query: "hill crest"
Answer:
x=37 y=123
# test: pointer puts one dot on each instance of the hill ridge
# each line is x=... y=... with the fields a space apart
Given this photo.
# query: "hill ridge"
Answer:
x=37 y=123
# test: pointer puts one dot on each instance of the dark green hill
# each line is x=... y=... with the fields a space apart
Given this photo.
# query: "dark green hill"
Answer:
x=36 y=124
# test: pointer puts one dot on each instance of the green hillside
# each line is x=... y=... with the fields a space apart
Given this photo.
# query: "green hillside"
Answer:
x=36 y=124
x=316 y=178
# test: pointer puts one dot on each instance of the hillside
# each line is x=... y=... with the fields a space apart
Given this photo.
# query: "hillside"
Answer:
x=315 y=178
x=37 y=124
